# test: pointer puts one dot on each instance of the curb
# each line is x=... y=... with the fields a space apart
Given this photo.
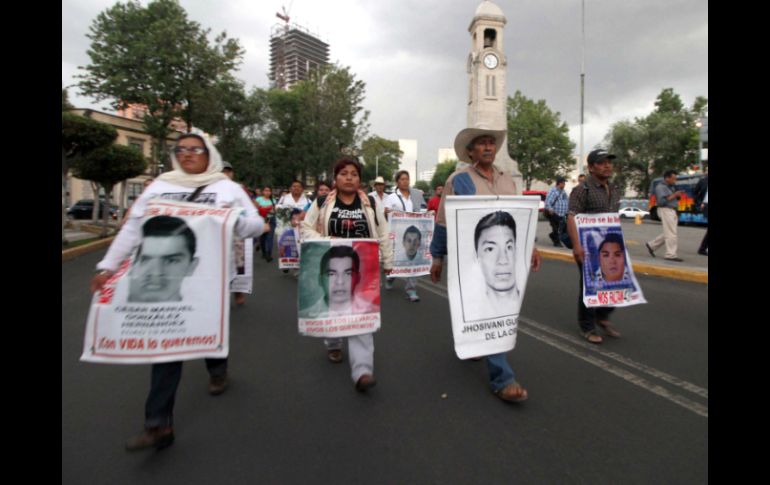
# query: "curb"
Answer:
x=73 y=253
x=647 y=269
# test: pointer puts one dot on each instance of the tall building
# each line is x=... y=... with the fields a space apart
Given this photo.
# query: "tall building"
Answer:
x=408 y=160
x=294 y=52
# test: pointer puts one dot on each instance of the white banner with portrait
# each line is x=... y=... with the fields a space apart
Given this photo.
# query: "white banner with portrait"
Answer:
x=608 y=276
x=411 y=233
x=490 y=243
x=170 y=300
x=287 y=220
x=243 y=253
x=339 y=287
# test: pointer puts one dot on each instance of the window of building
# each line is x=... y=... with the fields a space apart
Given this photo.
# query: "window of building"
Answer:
x=138 y=143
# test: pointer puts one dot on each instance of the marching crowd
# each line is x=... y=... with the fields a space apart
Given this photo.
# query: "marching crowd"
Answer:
x=341 y=208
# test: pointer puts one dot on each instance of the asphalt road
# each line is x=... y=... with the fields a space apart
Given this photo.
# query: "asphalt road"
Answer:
x=633 y=410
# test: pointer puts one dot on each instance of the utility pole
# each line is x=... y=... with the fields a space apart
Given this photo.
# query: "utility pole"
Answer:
x=582 y=81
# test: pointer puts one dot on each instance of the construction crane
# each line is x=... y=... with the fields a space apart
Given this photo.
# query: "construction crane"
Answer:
x=285 y=16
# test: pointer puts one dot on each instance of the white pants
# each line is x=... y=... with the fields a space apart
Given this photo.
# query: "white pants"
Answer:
x=361 y=353
x=669 y=219
x=409 y=283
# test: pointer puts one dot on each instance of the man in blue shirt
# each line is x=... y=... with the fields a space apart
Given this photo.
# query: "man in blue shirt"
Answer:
x=556 y=205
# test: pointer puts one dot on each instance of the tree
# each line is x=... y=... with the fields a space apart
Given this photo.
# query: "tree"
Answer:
x=154 y=56
x=443 y=171
x=65 y=103
x=381 y=157
x=665 y=139
x=422 y=185
x=331 y=121
x=79 y=137
x=537 y=139
x=108 y=166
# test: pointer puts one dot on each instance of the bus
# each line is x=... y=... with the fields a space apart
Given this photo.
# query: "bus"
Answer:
x=687 y=211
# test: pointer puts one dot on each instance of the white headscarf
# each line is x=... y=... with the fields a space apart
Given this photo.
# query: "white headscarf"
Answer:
x=212 y=174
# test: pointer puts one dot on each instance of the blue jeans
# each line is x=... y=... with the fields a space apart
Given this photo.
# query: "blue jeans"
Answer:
x=266 y=240
x=587 y=317
x=159 y=407
x=500 y=372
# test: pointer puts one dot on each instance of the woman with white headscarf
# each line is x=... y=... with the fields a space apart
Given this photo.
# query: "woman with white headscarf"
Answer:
x=196 y=177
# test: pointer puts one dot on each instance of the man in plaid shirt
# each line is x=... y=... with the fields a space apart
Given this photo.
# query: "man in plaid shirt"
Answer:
x=556 y=204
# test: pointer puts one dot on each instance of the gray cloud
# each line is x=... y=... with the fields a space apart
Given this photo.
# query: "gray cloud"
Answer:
x=412 y=54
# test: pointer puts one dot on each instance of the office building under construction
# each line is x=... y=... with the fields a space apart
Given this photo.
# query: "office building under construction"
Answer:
x=294 y=52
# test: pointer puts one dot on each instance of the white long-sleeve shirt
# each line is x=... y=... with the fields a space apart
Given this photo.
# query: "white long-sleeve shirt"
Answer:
x=222 y=193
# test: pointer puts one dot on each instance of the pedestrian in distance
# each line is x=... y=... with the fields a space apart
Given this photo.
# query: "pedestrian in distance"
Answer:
x=196 y=177
x=556 y=203
x=266 y=208
x=667 y=202
x=478 y=147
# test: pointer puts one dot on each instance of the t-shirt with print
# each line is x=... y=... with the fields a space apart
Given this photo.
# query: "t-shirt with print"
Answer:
x=348 y=221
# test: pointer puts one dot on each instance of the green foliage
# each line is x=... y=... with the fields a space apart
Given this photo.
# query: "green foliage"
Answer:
x=381 y=157
x=109 y=165
x=80 y=135
x=157 y=57
x=537 y=139
x=65 y=103
x=300 y=132
x=422 y=185
x=443 y=171
x=665 y=139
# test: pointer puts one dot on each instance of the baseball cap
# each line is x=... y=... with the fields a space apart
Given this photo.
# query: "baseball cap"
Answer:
x=226 y=165
x=599 y=155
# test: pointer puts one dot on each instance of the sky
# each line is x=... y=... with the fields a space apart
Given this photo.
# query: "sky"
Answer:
x=412 y=56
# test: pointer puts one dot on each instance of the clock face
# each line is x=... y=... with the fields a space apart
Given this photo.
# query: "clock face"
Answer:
x=490 y=60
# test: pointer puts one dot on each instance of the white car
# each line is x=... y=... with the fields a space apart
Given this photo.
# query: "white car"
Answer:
x=633 y=212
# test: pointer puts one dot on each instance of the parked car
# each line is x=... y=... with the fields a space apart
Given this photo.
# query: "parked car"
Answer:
x=540 y=193
x=633 y=212
x=84 y=208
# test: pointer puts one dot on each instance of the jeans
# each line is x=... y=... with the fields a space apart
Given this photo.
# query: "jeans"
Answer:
x=587 y=316
x=266 y=240
x=159 y=407
x=500 y=372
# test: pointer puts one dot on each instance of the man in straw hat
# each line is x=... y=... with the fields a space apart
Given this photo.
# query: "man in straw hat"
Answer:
x=478 y=147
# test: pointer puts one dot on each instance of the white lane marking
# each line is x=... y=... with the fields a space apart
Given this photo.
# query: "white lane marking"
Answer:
x=623 y=360
x=626 y=375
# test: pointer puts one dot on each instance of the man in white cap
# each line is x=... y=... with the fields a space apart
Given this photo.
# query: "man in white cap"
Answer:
x=478 y=147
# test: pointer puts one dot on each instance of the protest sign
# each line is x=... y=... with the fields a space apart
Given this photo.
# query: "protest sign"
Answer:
x=490 y=243
x=608 y=277
x=339 y=287
x=287 y=236
x=411 y=233
x=243 y=251
x=170 y=300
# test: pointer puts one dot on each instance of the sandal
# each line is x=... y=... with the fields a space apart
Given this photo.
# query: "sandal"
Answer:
x=592 y=336
x=335 y=356
x=513 y=392
x=608 y=328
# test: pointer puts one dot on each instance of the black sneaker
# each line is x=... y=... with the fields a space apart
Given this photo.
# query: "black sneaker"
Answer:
x=652 y=253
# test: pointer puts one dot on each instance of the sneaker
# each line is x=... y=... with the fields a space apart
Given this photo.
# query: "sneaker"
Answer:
x=365 y=382
x=678 y=260
x=157 y=437
x=388 y=283
x=217 y=385
x=412 y=295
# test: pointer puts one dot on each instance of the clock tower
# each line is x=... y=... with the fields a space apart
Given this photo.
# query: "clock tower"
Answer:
x=486 y=79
